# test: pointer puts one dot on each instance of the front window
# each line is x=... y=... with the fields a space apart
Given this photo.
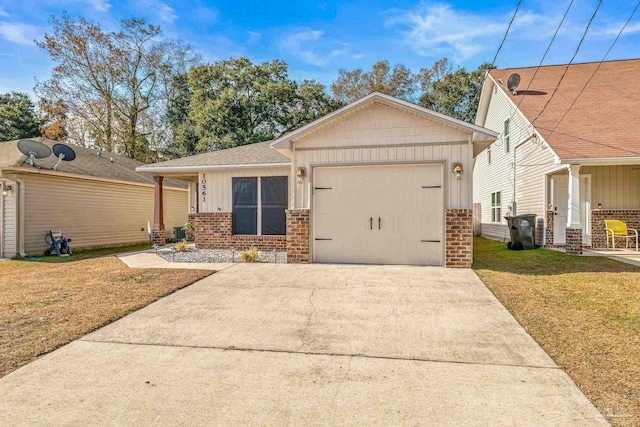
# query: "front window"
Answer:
x=496 y=207
x=507 y=142
x=259 y=205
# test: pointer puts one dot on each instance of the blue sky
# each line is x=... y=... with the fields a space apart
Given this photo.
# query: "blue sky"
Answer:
x=316 y=38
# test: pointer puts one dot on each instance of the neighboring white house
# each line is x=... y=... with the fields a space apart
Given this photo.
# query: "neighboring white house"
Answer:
x=569 y=153
x=95 y=200
x=380 y=180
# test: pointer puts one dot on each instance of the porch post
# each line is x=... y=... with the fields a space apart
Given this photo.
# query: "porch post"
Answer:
x=158 y=232
x=574 y=228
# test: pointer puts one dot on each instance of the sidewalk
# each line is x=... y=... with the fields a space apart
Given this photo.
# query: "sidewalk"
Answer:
x=148 y=259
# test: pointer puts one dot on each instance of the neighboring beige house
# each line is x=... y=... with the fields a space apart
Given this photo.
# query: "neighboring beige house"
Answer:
x=379 y=181
x=572 y=158
x=94 y=201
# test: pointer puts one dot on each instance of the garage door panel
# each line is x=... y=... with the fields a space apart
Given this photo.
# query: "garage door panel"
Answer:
x=378 y=214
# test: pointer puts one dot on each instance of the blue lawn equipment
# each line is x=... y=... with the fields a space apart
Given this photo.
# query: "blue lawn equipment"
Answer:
x=57 y=243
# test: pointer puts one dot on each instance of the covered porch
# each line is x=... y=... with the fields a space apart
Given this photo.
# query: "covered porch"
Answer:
x=581 y=196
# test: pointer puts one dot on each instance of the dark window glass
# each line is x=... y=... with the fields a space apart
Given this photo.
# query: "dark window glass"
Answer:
x=245 y=205
x=274 y=204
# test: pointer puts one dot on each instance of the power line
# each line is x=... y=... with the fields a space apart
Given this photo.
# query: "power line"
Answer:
x=566 y=12
x=597 y=68
x=584 y=35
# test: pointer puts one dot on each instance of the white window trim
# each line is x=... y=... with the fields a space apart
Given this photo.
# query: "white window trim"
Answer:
x=259 y=195
x=506 y=137
x=497 y=207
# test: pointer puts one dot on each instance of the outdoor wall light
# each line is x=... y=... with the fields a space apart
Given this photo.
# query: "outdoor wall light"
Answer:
x=6 y=188
x=457 y=171
x=300 y=173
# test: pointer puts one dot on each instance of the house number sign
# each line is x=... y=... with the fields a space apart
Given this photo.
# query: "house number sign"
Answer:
x=203 y=187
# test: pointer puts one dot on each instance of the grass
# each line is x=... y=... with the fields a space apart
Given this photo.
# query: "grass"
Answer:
x=585 y=313
x=80 y=254
x=44 y=305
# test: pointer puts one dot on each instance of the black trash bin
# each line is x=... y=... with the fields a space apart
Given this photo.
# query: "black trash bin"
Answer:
x=522 y=229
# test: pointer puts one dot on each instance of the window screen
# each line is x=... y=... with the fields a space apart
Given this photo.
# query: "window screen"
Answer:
x=245 y=205
x=274 y=204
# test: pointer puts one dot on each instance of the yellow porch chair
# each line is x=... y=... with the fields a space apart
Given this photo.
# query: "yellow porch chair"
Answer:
x=618 y=229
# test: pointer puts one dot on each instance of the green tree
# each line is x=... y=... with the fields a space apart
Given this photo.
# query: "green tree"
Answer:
x=454 y=93
x=18 y=117
x=396 y=81
x=236 y=102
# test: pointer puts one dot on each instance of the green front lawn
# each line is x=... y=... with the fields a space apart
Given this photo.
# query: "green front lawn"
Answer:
x=585 y=313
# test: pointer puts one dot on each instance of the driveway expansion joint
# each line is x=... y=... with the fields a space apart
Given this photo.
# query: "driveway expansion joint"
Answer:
x=315 y=353
x=306 y=329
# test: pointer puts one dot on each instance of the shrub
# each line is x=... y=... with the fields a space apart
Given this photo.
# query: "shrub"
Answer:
x=181 y=246
x=249 y=256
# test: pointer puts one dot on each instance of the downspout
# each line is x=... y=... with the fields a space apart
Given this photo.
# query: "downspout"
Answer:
x=514 y=206
x=21 y=221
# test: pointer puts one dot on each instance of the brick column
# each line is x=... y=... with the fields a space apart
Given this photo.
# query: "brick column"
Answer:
x=548 y=235
x=213 y=230
x=298 y=236
x=458 y=238
x=157 y=230
x=598 y=233
x=189 y=231
x=574 y=241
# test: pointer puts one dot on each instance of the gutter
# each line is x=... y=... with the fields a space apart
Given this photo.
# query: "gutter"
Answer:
x=602 y=161
x=164 y=169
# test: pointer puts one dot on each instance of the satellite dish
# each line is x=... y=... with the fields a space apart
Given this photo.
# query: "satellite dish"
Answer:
x=33 y=150
x=63 y=152
x=512 y=83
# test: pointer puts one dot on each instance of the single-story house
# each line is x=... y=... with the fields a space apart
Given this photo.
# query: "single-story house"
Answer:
x=98 y=199
x=568 y=151
x=380 y=180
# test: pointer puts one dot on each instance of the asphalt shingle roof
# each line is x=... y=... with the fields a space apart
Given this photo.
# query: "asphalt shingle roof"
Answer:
x=86 y=163
x=603 y=122
x=258 y=153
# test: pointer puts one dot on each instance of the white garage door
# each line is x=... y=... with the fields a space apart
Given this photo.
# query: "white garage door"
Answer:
x=378 y=214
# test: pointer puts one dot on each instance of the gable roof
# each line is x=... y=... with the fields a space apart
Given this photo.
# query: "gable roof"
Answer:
x=258 y=154
x=86 y=163
x=480 y=134
x=604 y=121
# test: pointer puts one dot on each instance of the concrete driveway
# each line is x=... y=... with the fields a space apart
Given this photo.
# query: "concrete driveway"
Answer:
x=305 y=345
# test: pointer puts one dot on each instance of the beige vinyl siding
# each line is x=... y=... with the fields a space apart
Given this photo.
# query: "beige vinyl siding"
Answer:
x=9 y=219
x=383 y=134
x=94 y=213
x=532 y=163
x=615 y=187
x=218 y=197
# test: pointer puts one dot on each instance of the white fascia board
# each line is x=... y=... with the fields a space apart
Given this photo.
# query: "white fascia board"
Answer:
x=602 y=161
x=163 y=169
x=285 y=140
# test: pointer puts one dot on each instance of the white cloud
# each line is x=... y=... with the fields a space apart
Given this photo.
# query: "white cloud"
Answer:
x=19 y=33
x=358 y=56
x=612 y=30
x=165 y=12
x=3 y=13
x=440 y=29
x=99 y=5
x=296 y=44
x=254 y=36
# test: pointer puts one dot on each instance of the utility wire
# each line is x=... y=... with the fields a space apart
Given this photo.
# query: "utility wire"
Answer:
x=597 y=68
x=584 y=35
x=566 y=12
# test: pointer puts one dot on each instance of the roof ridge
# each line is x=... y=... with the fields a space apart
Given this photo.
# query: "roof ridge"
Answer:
x=571 y=65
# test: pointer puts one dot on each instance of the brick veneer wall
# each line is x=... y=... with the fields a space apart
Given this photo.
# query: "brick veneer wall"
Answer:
x=298 y=236
x=573 y=244
x=214 y=230
x=598 y=233
x=458 y=238
x=548 y=237
x=158 y=237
